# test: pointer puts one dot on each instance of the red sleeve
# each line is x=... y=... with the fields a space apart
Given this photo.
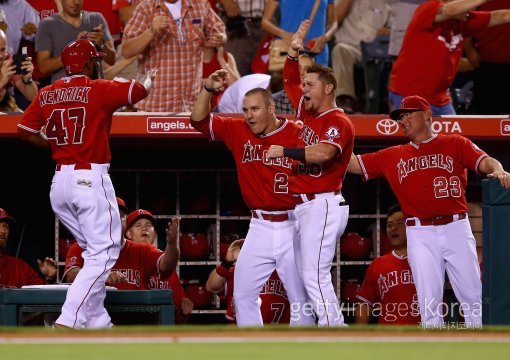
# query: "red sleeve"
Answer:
x=151 y=257
x=73 y=259
x=122 y=93
x=337 y=131
x=32 y=120
x=292 y=82
x=425 y=14
x=175 y=284
x=470 y=154
x=30 y=276
x=367 y=293
x=476 y=22
x=372 y=165
x=216 y=128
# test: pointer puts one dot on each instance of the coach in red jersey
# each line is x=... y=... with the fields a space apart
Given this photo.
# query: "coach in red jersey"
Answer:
x=75 y=116
x=265 y=189
x=322 y=153
x=388 y=290
x=429 y=177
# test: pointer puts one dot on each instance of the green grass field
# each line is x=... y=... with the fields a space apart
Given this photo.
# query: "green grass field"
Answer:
x=249 y=351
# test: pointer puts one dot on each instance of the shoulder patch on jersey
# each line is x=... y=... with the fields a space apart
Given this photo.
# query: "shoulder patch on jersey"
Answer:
x=332 y=133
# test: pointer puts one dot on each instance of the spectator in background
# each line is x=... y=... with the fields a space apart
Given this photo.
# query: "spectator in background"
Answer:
x=432 y=49
x=401 y=13
x=170 y=36
x=489 y=53
x=216 y=58
x=140 y=229
x=22 y=22
x=8 y=77
x=361 y=20
x=243 y=19
x=14 y=272
x=58 y=30
x=388 y=289
x=292 y=13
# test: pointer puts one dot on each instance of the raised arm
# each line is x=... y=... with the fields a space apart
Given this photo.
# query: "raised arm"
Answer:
x=171 y=254
x=291 y=75
x=136 y=45
x=457 y=7
x=499 y=17
x=215 y=82
x=354 y=167
x=267 y=22
x=218 y=276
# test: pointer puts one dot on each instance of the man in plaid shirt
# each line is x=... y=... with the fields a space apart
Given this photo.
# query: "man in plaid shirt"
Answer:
x=170 y=36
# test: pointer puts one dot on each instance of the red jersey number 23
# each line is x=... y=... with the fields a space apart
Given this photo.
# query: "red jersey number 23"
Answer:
x=58 y=126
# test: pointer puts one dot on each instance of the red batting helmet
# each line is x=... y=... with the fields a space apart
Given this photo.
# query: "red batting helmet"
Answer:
x=354 y=247
x=194 y=246
x=122 y=205
x=76 y=54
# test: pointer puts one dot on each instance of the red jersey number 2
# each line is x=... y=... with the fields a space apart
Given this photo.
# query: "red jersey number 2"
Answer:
x=56 y=128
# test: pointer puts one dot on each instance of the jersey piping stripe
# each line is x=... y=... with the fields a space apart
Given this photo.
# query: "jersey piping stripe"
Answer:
x=67 y=271
x=319 y=262
x=29 y=129
x=332 y=143
x=277 y=130
x=362 y=167
x=158 y=262
x=417 y=146
x=364 y=300
x=211 y=127
x=328 y=111
x=107 y=251
x=403 y=257
x=130 y=91
x=298 y=115
x=479 y=161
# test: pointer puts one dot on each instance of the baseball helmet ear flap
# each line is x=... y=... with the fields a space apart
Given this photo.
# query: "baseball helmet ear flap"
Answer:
x=76 y=54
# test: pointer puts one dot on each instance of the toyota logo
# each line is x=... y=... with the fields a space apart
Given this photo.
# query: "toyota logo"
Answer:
x=387 y=126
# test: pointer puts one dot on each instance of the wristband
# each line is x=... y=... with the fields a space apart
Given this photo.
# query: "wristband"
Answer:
x=223 y=269
x=209 y=90
x=296 y=58
x=297 y=153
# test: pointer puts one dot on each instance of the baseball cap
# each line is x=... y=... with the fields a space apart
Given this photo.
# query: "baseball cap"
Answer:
x=137 y=214
x=4 y=216
x=410 y=104
x=122 y=205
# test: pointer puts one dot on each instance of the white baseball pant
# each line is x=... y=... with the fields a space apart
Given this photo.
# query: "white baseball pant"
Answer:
x=432 y=250
x=84 y=201
x=268 y=246
x=320 y=223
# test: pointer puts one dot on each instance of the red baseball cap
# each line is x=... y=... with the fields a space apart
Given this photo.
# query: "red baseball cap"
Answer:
x=4 y=216
x=122 y=205
x=137 y=214
x=410 y=104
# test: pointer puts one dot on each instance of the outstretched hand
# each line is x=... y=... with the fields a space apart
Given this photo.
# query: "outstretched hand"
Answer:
x=217 y=80
x=48 y=268
x=172 y=231
x=233 y=250
x=297 y=41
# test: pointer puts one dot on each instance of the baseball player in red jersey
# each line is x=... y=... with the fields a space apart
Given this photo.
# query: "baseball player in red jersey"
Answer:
x=140 y=229
x=429 y=177
x=274 y=303
x=264 y=186
x=137 y=262
x=388 y=289
x=324 y=150
x=76 y=117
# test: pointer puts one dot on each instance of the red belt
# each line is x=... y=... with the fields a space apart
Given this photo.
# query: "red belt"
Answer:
x=270 y=217
x=77 y=167
x=440 y=220
x=310 y=197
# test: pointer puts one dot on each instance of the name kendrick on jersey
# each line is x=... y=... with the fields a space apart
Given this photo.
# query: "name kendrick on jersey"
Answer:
x=405 y=167
x=72 y=94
